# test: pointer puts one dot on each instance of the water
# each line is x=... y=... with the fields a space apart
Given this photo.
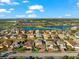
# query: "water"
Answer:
x=47 y=28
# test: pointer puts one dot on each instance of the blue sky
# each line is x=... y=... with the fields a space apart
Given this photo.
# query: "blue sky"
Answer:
x=39 y=8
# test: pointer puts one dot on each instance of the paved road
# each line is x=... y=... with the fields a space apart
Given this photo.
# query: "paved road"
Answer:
x=44 y=54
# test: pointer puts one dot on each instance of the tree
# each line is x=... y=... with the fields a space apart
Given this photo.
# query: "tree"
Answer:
x=48 y=57
x=65 y=57
x=71 y=57
x=20 y=57
x=77 y=57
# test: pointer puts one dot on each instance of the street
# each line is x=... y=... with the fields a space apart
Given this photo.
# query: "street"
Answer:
x=44 y=54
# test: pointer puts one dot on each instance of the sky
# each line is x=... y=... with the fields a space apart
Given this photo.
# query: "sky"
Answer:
x=39 y=8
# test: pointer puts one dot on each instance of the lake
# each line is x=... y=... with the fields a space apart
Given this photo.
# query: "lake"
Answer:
x=47 y=28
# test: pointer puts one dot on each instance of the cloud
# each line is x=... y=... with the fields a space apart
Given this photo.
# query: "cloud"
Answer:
x=4 y=10
x=10 y=2
x=60 y=17
x=15 y=3
x=11 y=9
x=5 y=1
x=32 y=15
x=68 y=14
x=29 y=11
x=21 y=16
x=78 y=4
x=35 y=7
x=25 y=1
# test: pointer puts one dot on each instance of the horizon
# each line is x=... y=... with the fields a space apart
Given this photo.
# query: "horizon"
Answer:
x=56 y=19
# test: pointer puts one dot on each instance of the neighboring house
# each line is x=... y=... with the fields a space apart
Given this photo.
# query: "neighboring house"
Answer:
x=62 y=47
x=15 y=45
x=1 y=46
x=28 y=45
x=49 y=46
